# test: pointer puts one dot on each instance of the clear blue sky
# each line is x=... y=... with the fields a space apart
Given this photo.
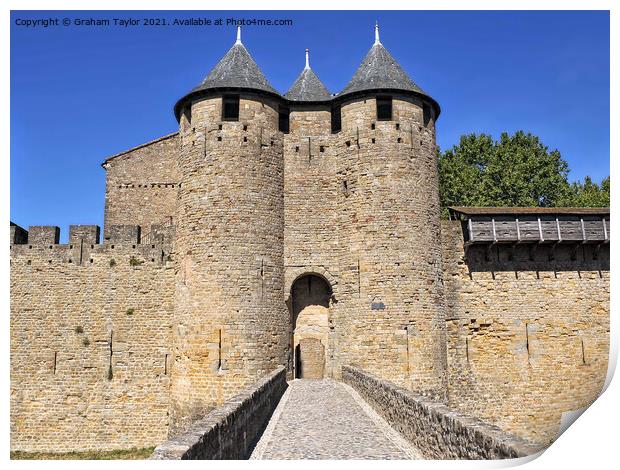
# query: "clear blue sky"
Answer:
x=81 y=94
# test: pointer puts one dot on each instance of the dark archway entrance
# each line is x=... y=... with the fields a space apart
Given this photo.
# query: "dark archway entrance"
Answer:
x=310 y=295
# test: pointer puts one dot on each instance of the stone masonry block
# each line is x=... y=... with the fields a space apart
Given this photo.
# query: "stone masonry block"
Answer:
x=123 y=234
x=19 y=235
x=88 y=233
x=43 y=234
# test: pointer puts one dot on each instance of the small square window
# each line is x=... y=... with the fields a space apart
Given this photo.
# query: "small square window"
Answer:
x=384 y=108
x=230 y=108
x=284 y=120
x=336 y=120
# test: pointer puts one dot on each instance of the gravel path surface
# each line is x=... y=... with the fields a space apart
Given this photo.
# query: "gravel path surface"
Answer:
x=326 y=419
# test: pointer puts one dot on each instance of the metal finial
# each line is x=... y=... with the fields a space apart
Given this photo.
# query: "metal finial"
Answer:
x=238 y=35
x=377 y=40
x=307 y=59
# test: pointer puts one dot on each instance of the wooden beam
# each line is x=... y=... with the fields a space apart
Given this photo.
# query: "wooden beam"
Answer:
x=540 y=232
x=494 y=231
x=583 y=230
x=471 y=230
x=605 y=229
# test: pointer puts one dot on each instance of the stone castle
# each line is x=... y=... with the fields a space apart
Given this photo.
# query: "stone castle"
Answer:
x=299 y=230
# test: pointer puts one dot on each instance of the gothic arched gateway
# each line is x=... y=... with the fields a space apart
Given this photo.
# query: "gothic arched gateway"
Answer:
x=310 y=297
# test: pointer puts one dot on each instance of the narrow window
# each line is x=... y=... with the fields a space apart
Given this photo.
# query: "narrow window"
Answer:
x=336 y=120
x=283 y=120
x=219 y=350
x=384 y=108
x=230 y=108
x=426 y=111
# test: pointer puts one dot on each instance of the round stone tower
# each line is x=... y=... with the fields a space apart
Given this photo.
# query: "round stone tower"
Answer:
x=394 y=323
x=231 y=323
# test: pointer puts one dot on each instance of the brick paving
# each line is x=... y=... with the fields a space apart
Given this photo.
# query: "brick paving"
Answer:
x=326 y=419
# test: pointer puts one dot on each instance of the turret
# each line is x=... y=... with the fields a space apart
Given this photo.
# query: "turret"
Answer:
x=390 y=216
x=310 y=112
x=231 y=323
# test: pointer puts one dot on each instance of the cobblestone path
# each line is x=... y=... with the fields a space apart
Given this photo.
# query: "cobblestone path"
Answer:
x=326 y=419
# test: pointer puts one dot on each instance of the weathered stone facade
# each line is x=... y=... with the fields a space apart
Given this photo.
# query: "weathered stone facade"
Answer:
x=275 y=231
x=91 y=337
x=142 y=185
x=528 y=339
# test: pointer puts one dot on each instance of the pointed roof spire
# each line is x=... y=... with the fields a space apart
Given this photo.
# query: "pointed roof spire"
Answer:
x=308 y=87
x=379 y=70
x=236 y=69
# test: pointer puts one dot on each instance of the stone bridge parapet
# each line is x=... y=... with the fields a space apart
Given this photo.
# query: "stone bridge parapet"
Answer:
x=230 y=431
x=435 y=430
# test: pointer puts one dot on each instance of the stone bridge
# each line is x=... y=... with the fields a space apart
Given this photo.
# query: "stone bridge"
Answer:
x=326 y=419
x=360 y=417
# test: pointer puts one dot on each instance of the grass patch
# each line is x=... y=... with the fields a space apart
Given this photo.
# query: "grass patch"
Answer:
x=124 y=454
x=133 y=261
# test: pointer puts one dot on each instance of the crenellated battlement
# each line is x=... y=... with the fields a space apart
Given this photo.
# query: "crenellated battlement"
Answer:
x=40 y=235
x=39 y=245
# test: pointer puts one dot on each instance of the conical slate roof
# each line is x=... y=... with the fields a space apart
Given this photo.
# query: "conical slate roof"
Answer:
x=308 y=87
x=379 y=70
x=236 y=69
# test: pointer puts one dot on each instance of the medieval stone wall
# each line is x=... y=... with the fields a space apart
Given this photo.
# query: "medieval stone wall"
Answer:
x=109 y=340
x=528 y=331
x=90 y=344
x=231 y=322
x=142 y=185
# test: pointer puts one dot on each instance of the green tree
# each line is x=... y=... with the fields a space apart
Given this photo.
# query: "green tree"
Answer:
x=516 y=170
x=588 y=193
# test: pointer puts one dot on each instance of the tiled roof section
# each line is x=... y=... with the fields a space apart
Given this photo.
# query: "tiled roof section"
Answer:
x=530 y=210
x=380 y=70
x=308 y=87
x=236 y=69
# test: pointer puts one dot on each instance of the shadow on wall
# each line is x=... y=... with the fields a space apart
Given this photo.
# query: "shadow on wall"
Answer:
x=310 y=296
x=537 y=257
